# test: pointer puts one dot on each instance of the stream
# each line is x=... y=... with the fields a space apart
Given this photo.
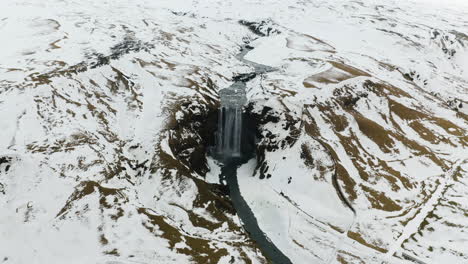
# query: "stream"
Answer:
x=231 y=160
x=229 y=174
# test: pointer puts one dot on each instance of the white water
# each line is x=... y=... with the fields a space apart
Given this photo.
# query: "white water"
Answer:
x=233 y=99
x=229 y=131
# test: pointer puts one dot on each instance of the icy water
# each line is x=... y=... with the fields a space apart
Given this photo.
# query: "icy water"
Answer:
x=229 y=174
x=229 y=150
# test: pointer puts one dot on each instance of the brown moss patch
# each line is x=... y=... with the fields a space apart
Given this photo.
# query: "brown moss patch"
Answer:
x=428 y=134
x=88 y=187
x=170 y=233
x=353 y=147
x=347 y=258
x=379 y=200
x=357 y=236
x=392 y=175
x=404 y=112
x=341 y=174
x=339 y=122
x=349 y=69
x=348 y=182
x=384 y=89
x=113 y=252
x=375 y=132
x=410 y=114
x=307 y=84
x=450 y=127
x=200 y=250
x=338 y=73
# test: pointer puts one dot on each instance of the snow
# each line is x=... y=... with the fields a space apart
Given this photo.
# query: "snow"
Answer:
x=412 y=226
x=215 y=170
x=62 y=127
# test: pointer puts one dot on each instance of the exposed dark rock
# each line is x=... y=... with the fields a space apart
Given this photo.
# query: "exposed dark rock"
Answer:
x=244 y=77
x=191 y=136
x=413 y=76
x=455 y=104
x=409 y=76
x=88 y=187
x=219 y=189
x=126 y=46
x=306 y=155
x=95 y=60
x=347 y=98
x=262 y=28
x=449 y=52
x=179 y=13
x=435 y=34
x=266 y=140
x=4 y=160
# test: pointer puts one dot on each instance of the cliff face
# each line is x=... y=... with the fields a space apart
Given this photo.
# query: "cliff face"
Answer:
x=108 y=112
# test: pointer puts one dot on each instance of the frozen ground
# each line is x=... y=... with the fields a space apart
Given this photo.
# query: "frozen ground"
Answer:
x=105 y=109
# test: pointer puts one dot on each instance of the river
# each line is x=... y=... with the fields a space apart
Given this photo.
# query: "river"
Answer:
x=229 y=176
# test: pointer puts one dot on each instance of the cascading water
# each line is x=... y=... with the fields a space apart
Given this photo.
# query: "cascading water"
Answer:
x=229 y=135
x=235 y=144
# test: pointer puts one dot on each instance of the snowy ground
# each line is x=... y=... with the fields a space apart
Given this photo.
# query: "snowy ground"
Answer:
x=97 y=107
x=373 y=95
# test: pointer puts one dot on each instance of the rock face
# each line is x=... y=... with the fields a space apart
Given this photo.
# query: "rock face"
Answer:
x=109 y=110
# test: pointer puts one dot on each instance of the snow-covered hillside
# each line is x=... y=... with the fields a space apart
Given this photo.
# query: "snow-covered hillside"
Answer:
x=108 y=110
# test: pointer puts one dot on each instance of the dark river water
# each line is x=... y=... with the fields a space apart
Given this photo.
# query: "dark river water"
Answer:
x=229 y=176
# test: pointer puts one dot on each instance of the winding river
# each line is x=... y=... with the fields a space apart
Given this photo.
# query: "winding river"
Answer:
x=229 y=176
x=229 y=173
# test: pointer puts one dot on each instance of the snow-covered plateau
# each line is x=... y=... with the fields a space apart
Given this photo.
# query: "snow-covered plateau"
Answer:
x=109 y=111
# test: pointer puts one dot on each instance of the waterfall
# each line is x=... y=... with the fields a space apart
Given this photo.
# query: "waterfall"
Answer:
x=229 y=134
